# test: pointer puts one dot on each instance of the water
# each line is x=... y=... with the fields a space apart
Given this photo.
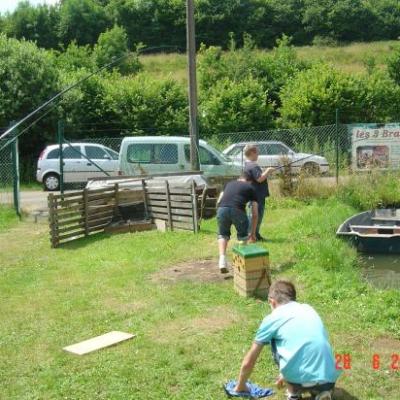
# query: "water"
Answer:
x=382 y=271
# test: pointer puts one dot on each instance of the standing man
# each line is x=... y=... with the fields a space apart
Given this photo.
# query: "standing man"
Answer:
x=258 y=178
x=232 y=211
x=299 y=344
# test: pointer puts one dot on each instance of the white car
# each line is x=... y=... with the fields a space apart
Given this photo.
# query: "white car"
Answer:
x=271 y=153
x=77 y=168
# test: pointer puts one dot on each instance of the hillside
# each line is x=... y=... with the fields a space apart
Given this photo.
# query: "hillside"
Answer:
x=349 y=58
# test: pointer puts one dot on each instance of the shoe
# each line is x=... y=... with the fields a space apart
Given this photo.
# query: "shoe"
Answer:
x=260 y=238
x=327 y=395
x=223 y=265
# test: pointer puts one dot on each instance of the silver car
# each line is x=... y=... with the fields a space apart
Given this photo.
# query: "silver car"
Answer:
x=271 y=153
x=77 y=168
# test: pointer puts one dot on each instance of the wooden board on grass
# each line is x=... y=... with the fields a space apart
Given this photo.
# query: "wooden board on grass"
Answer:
x=98 y=342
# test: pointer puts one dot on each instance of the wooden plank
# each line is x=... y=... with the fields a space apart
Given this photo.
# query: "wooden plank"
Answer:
x=174 y=211
x=95 y=209
x=177 y=198
x=168 y=198
x=69 y=222
x=101 y=196
x=69 y=203
x=195 y=215
x=52 y=220
x=173 y=190
x=68 y=215
x=71 y=235
x=98 y=342
x=78 y=207
x=104 y=214
x=174 y=204
x=67 y=195
x=174 y=218
x=86 y=211
x=184 y=226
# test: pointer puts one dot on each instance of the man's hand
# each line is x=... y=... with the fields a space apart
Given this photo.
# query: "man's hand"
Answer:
x=241 y=388
x=269 y=171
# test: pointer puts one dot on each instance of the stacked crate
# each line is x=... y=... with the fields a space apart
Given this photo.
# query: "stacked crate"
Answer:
x=251 y=270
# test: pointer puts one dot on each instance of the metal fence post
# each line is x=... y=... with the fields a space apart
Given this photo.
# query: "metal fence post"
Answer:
x=16 y=178
x=337 y=145
x=60 y=137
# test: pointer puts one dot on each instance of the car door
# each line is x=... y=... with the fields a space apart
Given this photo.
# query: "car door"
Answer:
x=153 y=158
x=209 y=162
x=98 y=157
x=236 y=154
x=276 y=153
x=73 y=163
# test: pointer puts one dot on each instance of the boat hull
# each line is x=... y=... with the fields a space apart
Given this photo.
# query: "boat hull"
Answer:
x=375 y=245
x=369 y=243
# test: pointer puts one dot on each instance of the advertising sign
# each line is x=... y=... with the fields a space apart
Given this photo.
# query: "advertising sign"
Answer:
x=375 y=146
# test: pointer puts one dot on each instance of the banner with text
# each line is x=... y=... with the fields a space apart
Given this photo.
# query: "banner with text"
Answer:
x=375 y=146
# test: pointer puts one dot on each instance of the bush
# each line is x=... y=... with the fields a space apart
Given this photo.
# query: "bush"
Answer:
x=146 y=105
x=112 y=45
x=235 y=106
x=310 y=99
x=393 y=64
x=372 y=190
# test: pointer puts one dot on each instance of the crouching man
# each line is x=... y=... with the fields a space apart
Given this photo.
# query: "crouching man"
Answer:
x=232 y=211
x=299 y=344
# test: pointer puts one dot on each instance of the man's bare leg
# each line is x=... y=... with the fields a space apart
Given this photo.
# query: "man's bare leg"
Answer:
x=223 y=265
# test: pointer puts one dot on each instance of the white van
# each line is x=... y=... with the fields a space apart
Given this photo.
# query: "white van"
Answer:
x=148 y=155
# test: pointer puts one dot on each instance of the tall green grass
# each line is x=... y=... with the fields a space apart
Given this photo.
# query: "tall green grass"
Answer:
x=7 y=218
x=374 y=189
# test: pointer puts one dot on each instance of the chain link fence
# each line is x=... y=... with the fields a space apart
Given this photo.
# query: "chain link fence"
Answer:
x=6 y=173
x=325 y=148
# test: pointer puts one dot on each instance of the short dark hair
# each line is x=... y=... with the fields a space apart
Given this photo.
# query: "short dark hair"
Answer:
x=282 y=292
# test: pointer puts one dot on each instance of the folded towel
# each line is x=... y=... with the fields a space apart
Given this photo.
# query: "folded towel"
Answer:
x=255 y=392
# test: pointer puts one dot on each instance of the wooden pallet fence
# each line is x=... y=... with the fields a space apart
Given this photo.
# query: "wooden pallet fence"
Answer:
x=177 y=206
x=79 y=214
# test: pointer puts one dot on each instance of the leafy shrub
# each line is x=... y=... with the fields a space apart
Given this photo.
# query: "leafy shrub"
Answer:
x=147 y=105
x=393 y=64
x=231 y=106
x=311 y=97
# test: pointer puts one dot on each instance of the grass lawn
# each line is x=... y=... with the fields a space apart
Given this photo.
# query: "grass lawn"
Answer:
x=191 y=336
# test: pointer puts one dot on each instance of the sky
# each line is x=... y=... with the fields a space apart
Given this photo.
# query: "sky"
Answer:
x=10 y=5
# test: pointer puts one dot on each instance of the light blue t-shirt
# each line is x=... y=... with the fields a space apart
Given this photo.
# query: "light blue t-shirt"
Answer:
x=305 y=355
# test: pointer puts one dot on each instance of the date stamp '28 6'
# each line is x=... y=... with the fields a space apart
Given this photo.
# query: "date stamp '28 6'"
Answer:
x=343 y=362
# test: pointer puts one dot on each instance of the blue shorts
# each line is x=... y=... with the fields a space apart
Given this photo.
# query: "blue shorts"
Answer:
x=228 y=216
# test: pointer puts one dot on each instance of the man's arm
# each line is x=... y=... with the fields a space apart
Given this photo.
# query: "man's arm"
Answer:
x=263 y=177
x=254 y=220
x=247 y=367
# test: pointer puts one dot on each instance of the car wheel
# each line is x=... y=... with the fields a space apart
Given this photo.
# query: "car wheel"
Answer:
x=51 y=182
x=311 y=168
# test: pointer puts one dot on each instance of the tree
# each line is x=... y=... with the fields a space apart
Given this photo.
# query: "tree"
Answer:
x=28 y=77
x=231 y=106
x=311 y=98
x=82 y=20
x=39 y=24
x=113 y=44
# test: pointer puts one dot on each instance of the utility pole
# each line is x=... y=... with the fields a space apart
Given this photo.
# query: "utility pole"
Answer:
x=191 y=52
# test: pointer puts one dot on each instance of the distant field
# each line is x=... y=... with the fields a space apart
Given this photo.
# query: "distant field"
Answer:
x=350 y=58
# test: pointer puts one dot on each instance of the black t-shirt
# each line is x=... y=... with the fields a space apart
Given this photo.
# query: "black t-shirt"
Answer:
x=237 y=194
x=253 y=171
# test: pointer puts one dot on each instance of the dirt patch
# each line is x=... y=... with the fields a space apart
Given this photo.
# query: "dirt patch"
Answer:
x=203 y=271
x=216 y=320
x=387 y=344
x=124 y=307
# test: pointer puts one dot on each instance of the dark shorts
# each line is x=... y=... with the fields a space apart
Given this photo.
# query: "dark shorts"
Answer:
x=228 y=216
x=298 y=387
